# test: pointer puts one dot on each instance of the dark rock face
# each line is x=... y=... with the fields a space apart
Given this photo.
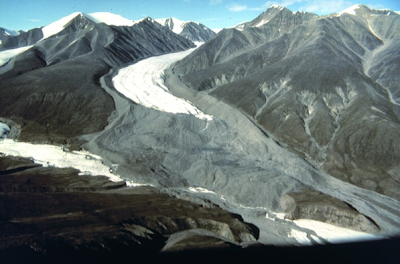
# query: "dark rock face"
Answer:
x=53 y=92
x=321 y=207
x=197 y=32
x=51 y=210
x=191 y=30
x=145 y=39
x=23 y=39
x=279 y=16
x=323 y=86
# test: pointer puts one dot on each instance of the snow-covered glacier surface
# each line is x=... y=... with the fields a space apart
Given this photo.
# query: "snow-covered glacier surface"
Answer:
x=143 y=83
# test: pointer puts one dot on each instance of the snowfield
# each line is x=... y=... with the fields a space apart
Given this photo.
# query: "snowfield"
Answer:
x=174 y=23
x=143 y=83
x=331 y=233
x=7 y=58
x=56 y=156
x=109 y=19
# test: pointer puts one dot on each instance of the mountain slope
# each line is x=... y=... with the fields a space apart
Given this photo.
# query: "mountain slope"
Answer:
x=317 y=84
x=60 y=71
x=191 y=30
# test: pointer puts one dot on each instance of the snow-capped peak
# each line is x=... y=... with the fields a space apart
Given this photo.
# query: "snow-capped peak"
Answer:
x=277 y=7
x=100 y=17
x=109 y=19
x=10 y=32
x=144 y=19
x=351 y=10
x=57 y=26
x=173 y=24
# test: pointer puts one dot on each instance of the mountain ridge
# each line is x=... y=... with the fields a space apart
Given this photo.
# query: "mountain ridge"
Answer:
x=194 y=31
x=270 y=63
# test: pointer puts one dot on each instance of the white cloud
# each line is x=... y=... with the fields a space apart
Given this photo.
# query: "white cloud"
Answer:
x=33 y=20
x=237 y=8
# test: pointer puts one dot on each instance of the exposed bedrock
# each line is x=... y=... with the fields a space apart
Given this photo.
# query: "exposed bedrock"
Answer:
x=317 y=206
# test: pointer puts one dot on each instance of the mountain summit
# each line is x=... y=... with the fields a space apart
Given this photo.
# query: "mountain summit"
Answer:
x=276 y=13
x=191 y=30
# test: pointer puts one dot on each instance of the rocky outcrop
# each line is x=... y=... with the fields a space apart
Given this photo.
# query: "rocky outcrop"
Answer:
x=22 y=39
x=324 y=208
x=193 y=31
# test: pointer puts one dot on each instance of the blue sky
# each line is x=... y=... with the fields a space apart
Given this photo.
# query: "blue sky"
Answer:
x=27 y=14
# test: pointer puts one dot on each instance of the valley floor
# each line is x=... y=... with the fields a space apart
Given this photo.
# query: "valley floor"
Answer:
x=192 y=146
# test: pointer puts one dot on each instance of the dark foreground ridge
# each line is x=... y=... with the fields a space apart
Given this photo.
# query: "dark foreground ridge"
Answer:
x=52 y=215
x=364 y=252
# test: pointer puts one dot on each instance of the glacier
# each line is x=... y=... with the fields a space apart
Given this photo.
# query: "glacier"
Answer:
x=242 y=171
x=142 y=82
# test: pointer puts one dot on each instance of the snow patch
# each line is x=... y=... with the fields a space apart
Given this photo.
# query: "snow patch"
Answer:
x=57 y=26
x=373 y=108
x=173 y=23
x=7 y=55
x=391 y=98
x=277 y=6
x=56 y=156
x=300 y=236
x=200 y=190
x=198 y=43
x=351 y=10
x=331 y=233
x=134 y=184
x=12 y=33
x=109 y=19
x=262 y=22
